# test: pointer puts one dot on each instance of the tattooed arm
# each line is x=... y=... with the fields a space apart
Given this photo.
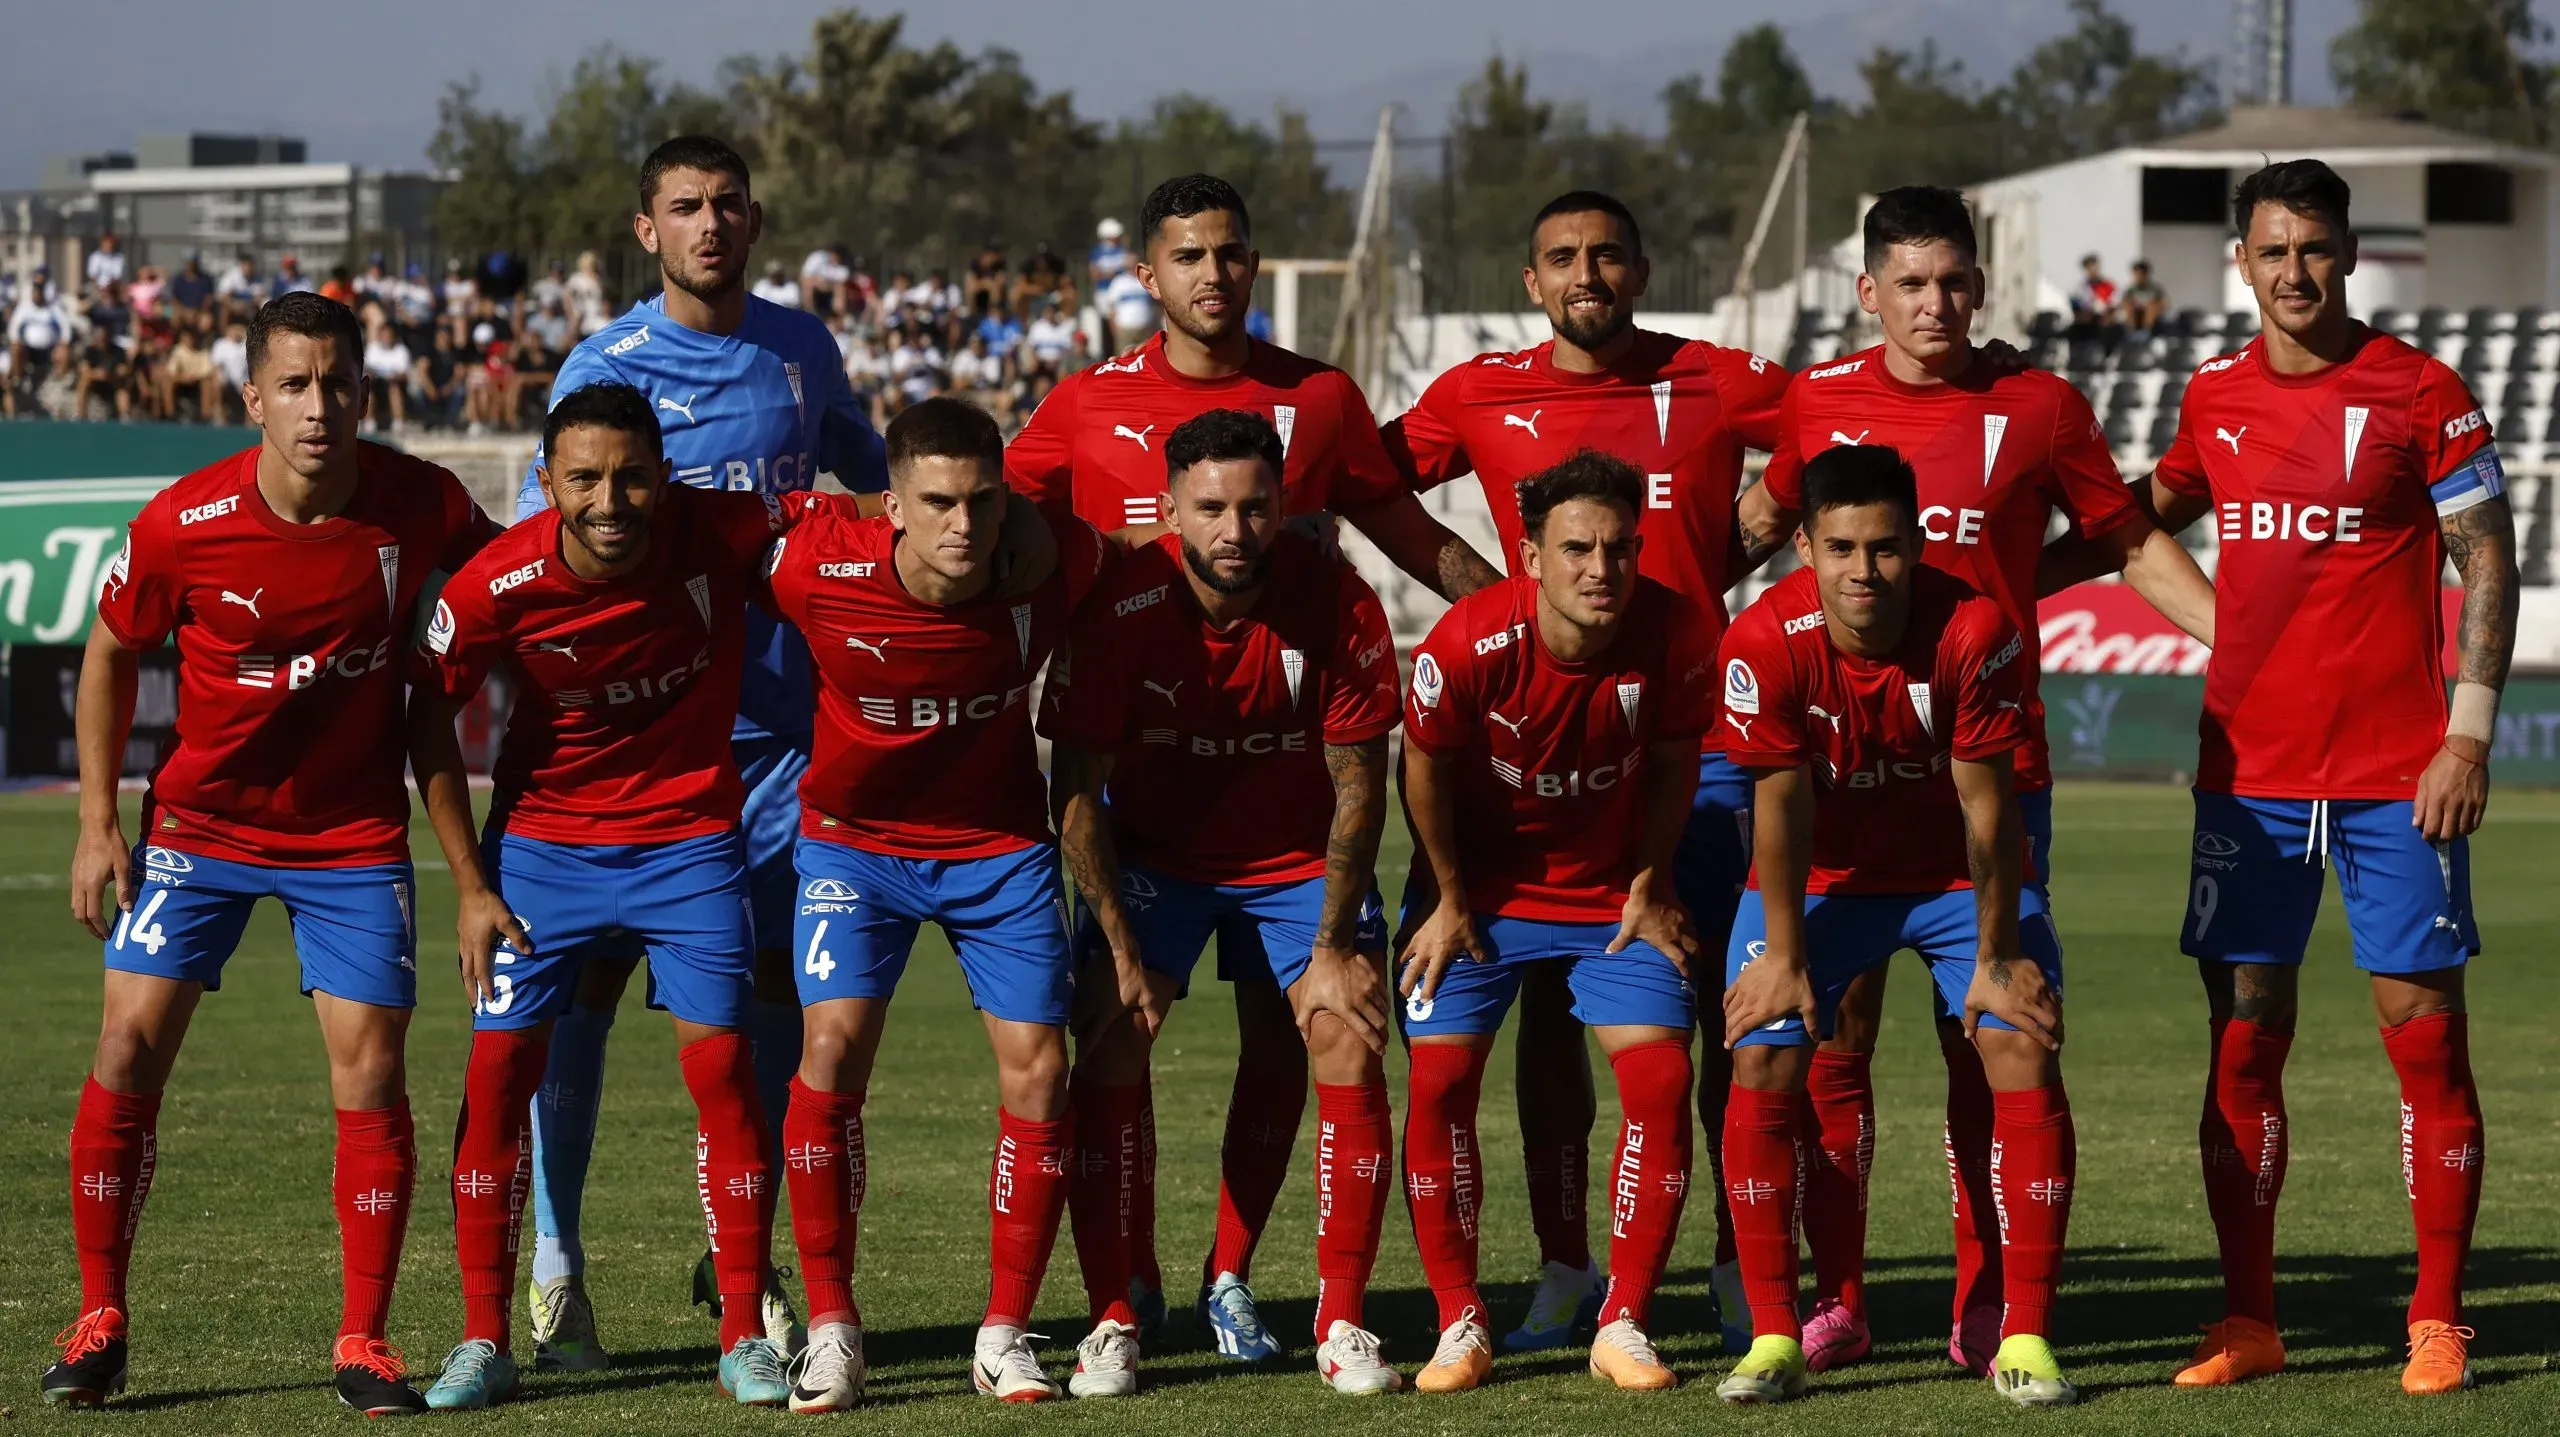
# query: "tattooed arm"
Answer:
x=1424 y=547
x=1076 y=782
x=2453 y=793
x=2005 y=983
x=1760 y=525
x=1342 y=980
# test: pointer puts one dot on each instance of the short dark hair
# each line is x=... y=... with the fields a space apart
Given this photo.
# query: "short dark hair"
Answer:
x=303 y=312
x=1851 y=475
x=1223 y=434
x=1918 y=214
x=2306 y=187
x=1589 y=474
x=1186 y=195
x=610 y=404
x=690 y=152
x=943 y=427
x=1582 y=202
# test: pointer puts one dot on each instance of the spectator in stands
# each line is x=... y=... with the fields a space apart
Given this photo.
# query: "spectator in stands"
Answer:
x=777 y=287
x=1051 y=337
x=2093 y=314
x=376 y=282
x=552 y=287
x=340 y=286
x=987 y=278
x=106 y=376
x=190 y=289
x=145 y=291
x=491 y=384
x=436 y=386
x=231 y=356
x=587 y=300
x=941 y=296
x=1128 y=312
x=413 y=305
x=915 y=364
x=998 y=327
x=106 y=262
x=58 y=395
x=823 y=277
x=1257 y=323
x=39 y=327
x=461 y=291
x=2144 y=304
x=1040 y=277
x=550 y=325
x=109 y=315
x=240 y=289
x=188 y=369
x=290 y=279
x=387 y=364
x=1110 y=258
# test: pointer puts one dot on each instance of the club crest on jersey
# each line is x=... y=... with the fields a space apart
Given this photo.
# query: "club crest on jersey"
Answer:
x=1631 y=700
x=440 y=630
x=1284 y=418
x=1994 y=428
x=791 y=376
x=1741 y=688
x=699 y=586
x=1428 y=682
x=389 y=554
x=2356 y=417
x=1022 y=632
x=1920 y=706
x=1662 y=411
x=1293 y=667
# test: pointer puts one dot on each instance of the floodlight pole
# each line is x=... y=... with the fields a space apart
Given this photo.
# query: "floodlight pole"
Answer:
x=1744 y=274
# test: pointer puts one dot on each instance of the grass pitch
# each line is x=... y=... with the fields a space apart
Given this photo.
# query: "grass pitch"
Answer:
x=235 y=1282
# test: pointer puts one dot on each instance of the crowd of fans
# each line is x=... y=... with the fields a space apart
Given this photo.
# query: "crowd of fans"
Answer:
x=476 y=348
x=2114 y=315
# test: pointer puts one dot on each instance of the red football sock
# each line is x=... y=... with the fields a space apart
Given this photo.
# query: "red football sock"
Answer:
x=1026 y=1193
x=1649 y=1183
x=2442 y=1152
x=825 y=1164
x=1443 y=1171
x=2242 y=1139
x=1263 y=1112
x=492 y=1171
x=2034 y=1161
x=1761 y=1161
x=1967 y=1137
x=1840 y=1109
x=1715 y=1076
x=1103 y=1193
x=1142 y=1223
x=1353 y=1144
x=377 y=1166
x=114 y=1147
x=729 y=1166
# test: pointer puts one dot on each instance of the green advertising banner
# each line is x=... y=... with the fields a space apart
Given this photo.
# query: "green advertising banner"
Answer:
x=66 y=493
x=2144 y=726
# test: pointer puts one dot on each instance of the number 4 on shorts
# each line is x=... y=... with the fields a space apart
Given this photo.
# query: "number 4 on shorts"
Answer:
x=816 y=962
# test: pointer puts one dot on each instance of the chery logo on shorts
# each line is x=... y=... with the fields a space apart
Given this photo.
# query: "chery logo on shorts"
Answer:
x=165 y=864
x=828 y=895
x=2214 y=845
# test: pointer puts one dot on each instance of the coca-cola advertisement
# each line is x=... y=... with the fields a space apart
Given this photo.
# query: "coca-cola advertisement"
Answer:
x=2106 y=628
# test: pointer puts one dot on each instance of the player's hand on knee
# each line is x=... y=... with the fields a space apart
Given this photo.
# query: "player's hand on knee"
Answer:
x=2014 y=990
x=1347 y=984
x=100 y=862
x=1659 y=918
x=1769 y=992
x=2453 y=793
x=1449 y=934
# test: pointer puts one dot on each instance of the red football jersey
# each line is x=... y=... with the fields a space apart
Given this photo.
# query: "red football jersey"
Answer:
x=625 y=687
x=292 y=730
x=1550 y=796
x=1095 y=446
x=2325 y=681
x=1218 y=737
x=1879 y=733
x=1996 y=451
x=924 y=745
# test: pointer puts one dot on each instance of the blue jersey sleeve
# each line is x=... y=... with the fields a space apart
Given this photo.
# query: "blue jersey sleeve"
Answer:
x=585 y=365
x=848 y=447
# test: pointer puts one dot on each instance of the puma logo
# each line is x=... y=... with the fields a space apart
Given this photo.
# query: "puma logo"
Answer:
x=1818 y=711
x=549 y=646
x=1741 y=726
x=2230 y=436
x=868 y=647
x=1511 y=724
x=250 y=603
x=1161 y=689
x=1514 y=421
x=1139 y=436
x=1839 y=438
x=685 y=409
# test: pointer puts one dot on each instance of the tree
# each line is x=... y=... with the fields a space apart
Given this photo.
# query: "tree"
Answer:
x=2090 y=90
x=1297 y=209
x=2462 y=62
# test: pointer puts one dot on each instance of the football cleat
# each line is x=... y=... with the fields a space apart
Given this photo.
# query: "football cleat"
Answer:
x=1833 y=1337
x=1235 y=1322
x=92 y=1368
x=476 y=1374
x=1733 y=1309
x=372 y=1378
x=1567 y=1301
x=1349 y=1363
x=2234 y=1350
x=1975 y=1337
x=756 y=1373
x=1464 y=1360
x=782 y=1325
x=564 y=1327
x=829 y=1373
x=1148 y=1303
x=2439 y=1359
x=1106 y=1362
x=1623 y=1355
x=1007 y=1366
x=2026 y=1372
x=1772 y=1371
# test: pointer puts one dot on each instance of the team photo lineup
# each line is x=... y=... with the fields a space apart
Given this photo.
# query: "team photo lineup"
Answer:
x=1109 y=698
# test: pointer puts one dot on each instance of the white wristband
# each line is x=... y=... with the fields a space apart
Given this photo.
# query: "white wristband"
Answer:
x=2475 y=713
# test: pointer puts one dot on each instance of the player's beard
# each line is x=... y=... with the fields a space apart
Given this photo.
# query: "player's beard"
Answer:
x=1593 y=335
x=706 y=288
x=628 y=546
x=1202 y=328
x=1208 y=573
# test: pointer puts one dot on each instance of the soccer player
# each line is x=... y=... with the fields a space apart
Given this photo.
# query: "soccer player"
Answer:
x=1229 y=689
x=751 y=397
x=925 y=803
x=619 y=616
x=1551 y=752
x=1879 y=704
x=1683 y=411
x=1095 y=448
x=1997 y=448
x=2343 y=468
x=288 y=574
